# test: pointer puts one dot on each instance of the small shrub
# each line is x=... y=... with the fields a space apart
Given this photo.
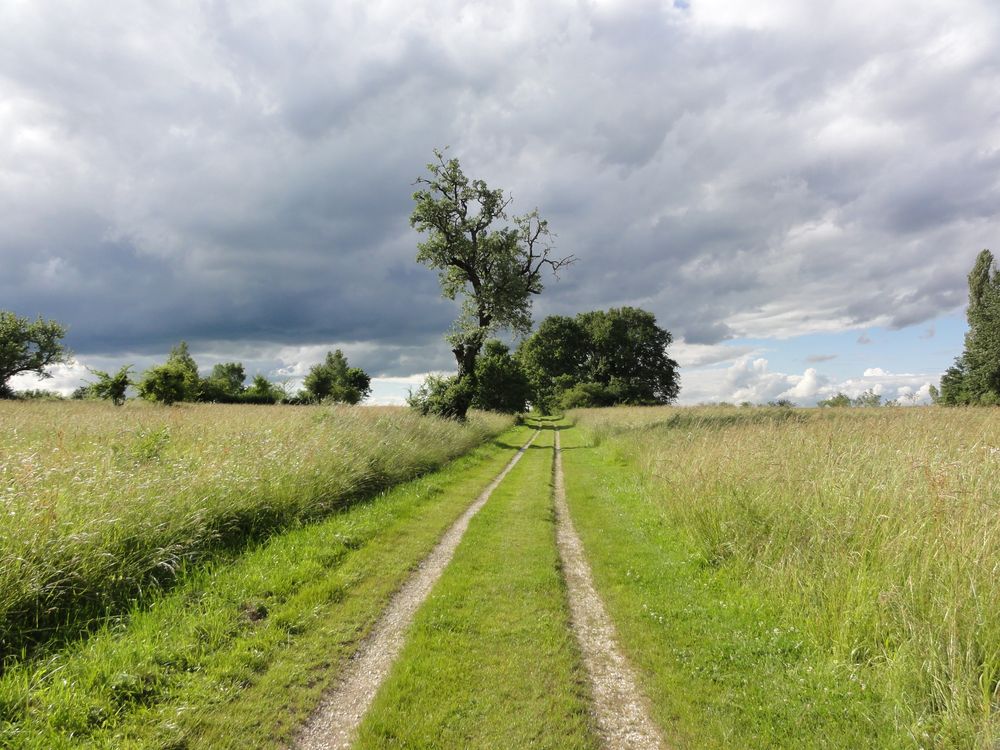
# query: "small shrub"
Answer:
x=112 y=387
x=149 y=444
x=586 y=396
x=441 y=396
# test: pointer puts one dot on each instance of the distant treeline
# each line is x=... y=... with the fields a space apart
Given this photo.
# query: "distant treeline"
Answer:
x=177 y=379
x=28 y=346
x=598 y=358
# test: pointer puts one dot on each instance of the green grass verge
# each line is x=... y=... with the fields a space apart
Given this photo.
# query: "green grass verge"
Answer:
x=874 y=531
x=103 y=506
x=723 y=665
x=240 y=652
x=490 y=660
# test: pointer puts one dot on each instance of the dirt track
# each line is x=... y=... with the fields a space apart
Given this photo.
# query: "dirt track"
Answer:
x=622 y=718
x=335 y=722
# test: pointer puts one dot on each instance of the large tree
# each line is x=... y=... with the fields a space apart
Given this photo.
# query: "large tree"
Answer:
x=493 y=265
x=28 y=346
x=628 y=355
x=975 y=376
x=600 y=358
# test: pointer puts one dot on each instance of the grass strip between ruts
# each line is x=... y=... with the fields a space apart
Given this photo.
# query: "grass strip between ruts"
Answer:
x=718 y=661
x=240 y=653
x=490 y=661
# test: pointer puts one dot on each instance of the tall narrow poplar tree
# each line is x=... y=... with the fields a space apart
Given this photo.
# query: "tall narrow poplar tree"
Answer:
x=975 y=376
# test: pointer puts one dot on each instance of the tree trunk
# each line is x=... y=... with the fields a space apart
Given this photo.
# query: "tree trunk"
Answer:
x=465 y=386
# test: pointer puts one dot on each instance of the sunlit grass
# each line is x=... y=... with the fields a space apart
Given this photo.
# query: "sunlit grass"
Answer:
x=99 y=505
x=490 y=660
x=239 y=651
x=875 y=531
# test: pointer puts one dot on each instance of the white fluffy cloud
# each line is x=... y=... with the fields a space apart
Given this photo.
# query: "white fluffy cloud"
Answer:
x=750 y=379
x=63 y=378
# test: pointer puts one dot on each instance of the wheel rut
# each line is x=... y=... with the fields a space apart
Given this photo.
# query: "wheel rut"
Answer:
x=334 y=723
x=622 y=718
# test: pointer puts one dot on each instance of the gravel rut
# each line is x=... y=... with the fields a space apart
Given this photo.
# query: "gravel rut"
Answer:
x=622 y=718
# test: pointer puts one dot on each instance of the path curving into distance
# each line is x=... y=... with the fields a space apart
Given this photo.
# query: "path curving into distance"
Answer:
x=622 y=718
x=334 y=723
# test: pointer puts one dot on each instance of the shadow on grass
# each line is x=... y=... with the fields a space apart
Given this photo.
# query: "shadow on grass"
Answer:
x=507 y=446
x=65 y=613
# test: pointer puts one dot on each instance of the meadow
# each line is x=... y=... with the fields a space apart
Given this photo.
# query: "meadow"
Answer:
x=801 y=578
x=197 y=576
x=104 y=507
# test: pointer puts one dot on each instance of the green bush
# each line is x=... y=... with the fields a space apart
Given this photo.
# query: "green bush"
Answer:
x=501 y=384
x=332 y=380
x=111 y=387
x=441 y=396
x=166 y=384
x=587 y=395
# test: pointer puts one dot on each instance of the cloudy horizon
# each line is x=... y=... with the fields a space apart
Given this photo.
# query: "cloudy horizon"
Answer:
x=796 y=191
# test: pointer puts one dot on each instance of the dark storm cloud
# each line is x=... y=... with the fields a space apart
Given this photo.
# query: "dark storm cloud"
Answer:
x=239 y=175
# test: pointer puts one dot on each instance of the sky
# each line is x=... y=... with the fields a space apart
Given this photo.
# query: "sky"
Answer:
x=796 y=189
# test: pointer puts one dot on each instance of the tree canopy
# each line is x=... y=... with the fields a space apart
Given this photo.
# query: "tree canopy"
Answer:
x=975 y=376
x=495 y=267
x=501 y=384
x=112 y=387
x=165 y=384
x=600 y=358
x=29 y=346
x=334 y=380
x=225 y=384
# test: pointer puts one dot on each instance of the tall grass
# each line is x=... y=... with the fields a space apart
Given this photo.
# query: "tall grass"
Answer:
x=99 y=506
x=878 y=531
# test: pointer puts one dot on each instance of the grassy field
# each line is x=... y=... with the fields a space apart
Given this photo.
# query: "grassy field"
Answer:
x=786 y=578
x=238 y=652
x=801 y=578
x=102 y=507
